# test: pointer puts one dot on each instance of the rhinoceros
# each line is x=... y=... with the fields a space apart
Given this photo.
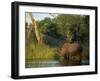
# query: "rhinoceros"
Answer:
x=71 y=53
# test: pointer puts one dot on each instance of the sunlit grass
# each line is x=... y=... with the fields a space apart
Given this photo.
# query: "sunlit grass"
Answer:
x=36 y=52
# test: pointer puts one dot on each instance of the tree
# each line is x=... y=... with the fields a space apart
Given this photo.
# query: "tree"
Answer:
x=35 y=28
x=68 y=24
x=47 y=26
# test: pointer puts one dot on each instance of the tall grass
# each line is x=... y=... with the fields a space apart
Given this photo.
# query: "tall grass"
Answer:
x=36 y=52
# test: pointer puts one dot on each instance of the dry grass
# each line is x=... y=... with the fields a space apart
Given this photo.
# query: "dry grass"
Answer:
x=36 y=52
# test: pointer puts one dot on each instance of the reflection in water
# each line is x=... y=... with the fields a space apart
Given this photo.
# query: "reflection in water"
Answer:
x=42 y=64
x=55 y=63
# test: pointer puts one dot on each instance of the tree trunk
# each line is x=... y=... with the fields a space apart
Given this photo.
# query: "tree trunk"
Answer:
x=35 y=28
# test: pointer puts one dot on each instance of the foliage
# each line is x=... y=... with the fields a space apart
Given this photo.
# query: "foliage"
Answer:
x=70 y=23
x=38 y=52
x=65 y=26
x=48 y=26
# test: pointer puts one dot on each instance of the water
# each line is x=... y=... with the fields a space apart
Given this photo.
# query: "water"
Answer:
x=85 y=62
x=42 y=64
x=54 y=63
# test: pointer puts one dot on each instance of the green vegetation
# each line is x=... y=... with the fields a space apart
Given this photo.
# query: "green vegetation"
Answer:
x=38 y=52
x=63 y=27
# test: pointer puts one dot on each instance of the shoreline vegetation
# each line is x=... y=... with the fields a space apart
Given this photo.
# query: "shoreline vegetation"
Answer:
x=45 y=38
